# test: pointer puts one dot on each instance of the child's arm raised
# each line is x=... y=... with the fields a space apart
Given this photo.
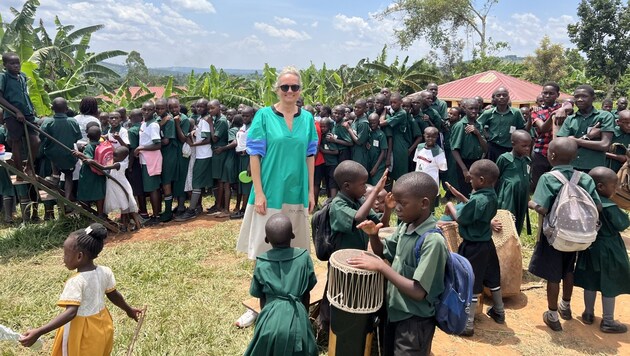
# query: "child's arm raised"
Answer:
x=456 y=193
x=409 y=287
x=119 y=301
x=364 y=210
x=30 y=336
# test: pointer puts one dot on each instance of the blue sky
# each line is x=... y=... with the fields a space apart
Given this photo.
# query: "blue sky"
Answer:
x=247 y=34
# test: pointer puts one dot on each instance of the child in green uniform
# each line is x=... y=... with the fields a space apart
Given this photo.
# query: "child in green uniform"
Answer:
x=604 y=266
x=515 y=173
x=242 y=162
x=330 y=152
x=231 y=174
x=450 y=176
x=183 y=127
x=467 y=144
x=170 y=158
x=396 y=119
x=283 y=278
x=547 y=262
x=66 y=130
x=340 y=135
x=134 y=172
x=607 y=105
x=591 y=128
x=6 y=187
x=475 y=227
x=414 y=285
x=92 y=186
x=500 y=122
x=149 y=142
x=616 y=156
x=219 y=155
x=347 y=210
x=378 y=149
x=622 y=104
x=14 y=96
x=428 y=115
x=360 y=134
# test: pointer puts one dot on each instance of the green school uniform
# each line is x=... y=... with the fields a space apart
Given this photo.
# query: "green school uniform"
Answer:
x=378 y=144
x=283 y=276
x=548 y=186
x=91 y=185
x=619 y=144
x=578 y=125
x=67 y=131
x=604 y=266
x=342 y=134
x=221 y=128
x=501 y=125
x=401 y=141
x=329 y=159
x=134 y=136
x=474 y=217
x=513 y=186
x=169 y=152
x=440 y=106
x=429 y=271
x=6 y=187
x=15 y=90
x=344 y=227
x=230 y=174
x=360 y=154
x=466 y=143
x=182 y=162
x=434 y=116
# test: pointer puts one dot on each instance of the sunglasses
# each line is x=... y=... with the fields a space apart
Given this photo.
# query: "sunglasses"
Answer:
x=285 y=87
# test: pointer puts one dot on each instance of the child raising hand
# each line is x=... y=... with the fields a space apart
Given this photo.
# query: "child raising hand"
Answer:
x=90 y=330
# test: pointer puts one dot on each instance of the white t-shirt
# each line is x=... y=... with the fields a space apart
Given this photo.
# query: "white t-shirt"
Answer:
x=430 y=161
x=124 y=136
x=241 y=139
x=83 y=120
x=202 y=132
x=87 y=290
x=148 y=133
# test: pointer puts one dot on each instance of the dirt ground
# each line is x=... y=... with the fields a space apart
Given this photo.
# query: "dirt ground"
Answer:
x=524 y=332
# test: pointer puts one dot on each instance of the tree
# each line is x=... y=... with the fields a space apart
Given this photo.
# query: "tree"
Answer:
x=603 y=35
x=137 y=71
x=547 y=64
x=438 y=20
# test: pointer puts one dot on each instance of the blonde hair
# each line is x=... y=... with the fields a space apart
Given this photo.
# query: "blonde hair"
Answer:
x=289 y=70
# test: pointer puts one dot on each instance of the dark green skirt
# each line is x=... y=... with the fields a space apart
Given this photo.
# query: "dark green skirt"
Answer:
x=202 y=173
x=604 y=267
x=218 y=165
x=92 y=186
x=170 y=164
x=150 y=183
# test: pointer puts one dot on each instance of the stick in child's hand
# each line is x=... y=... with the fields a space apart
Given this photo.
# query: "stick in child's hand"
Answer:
x=135 y=334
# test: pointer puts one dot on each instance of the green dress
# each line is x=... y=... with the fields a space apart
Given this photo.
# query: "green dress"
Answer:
x=378 y=143
x=513 y=186
x=169 y=153
x=230 y=172
x=283 y=276
x=361 y=128
x=401 y=141
x=182 y=164
x=91 y=185
x=221 y=127
x=66 y=130
x=604 y=266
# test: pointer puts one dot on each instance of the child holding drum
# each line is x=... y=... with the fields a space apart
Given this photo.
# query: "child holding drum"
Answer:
x=283 y=278
x=413 y=287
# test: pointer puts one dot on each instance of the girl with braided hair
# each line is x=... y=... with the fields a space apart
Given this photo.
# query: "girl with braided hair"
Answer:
x=85 y=327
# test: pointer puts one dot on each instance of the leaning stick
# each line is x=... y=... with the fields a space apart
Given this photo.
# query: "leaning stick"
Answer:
x=135 y=334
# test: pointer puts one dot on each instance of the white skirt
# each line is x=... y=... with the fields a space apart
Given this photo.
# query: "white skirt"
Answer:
x=251 y=239
x=117 y=199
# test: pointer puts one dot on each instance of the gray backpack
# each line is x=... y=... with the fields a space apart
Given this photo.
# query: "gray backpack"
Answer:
x=572 y=223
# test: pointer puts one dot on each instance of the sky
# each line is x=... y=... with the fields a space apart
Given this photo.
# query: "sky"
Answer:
x=247 y=34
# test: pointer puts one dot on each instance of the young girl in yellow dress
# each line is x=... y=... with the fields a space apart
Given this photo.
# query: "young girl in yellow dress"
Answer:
x=85 y=327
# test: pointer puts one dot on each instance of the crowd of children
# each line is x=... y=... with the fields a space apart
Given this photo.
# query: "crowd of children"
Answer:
x=486 y=157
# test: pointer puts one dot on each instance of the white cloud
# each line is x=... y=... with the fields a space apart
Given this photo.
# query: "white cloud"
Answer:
x=315 y=24
x=284 y=21
x=350 y=24
x=196 y=5
x=286 y=33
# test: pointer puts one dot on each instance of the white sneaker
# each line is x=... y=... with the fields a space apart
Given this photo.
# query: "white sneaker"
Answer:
x=247 y=319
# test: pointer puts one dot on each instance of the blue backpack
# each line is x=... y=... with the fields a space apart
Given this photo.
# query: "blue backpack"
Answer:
x=451 y=311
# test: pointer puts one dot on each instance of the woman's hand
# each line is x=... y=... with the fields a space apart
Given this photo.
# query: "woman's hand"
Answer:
x=260 y=204
x=311 y=202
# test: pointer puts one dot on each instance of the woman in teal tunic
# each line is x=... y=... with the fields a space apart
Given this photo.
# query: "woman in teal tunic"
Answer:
x=281 y=143
x=513 y=186
x=282 y=280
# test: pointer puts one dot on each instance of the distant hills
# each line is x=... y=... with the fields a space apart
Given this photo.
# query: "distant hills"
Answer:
x=179 y=71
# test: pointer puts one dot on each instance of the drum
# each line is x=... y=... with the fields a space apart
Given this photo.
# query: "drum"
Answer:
x=508 y=245
x=451 y=234
x=386 y=232
x=355 y=295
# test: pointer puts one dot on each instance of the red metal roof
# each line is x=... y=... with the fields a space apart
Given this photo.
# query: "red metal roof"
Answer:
x=158 y=92
x=484 y=84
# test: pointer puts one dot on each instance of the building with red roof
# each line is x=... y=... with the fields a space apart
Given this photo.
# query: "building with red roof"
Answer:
x=522 y=92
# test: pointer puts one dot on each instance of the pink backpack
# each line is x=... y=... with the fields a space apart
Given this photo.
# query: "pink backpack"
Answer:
x=103 y=155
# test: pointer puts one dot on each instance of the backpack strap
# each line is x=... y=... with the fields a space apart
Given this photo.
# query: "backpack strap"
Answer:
x=575 y=178
x=418 y=246
x=559 y=176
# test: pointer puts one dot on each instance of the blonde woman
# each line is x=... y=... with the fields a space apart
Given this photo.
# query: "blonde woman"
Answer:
x=282 y=143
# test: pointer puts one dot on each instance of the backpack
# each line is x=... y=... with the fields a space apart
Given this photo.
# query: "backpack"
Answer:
x=573 y=220
x=622 y=193
x=322 y=232
x=453 y=307
x=103 y=155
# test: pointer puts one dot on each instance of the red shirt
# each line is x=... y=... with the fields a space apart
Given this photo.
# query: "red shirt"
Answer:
x=319 y=157
x=541 y=145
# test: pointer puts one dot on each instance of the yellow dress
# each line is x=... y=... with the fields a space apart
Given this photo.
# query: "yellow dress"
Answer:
x=91 y=332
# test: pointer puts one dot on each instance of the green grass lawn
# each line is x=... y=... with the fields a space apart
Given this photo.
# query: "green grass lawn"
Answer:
x=193 y=284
